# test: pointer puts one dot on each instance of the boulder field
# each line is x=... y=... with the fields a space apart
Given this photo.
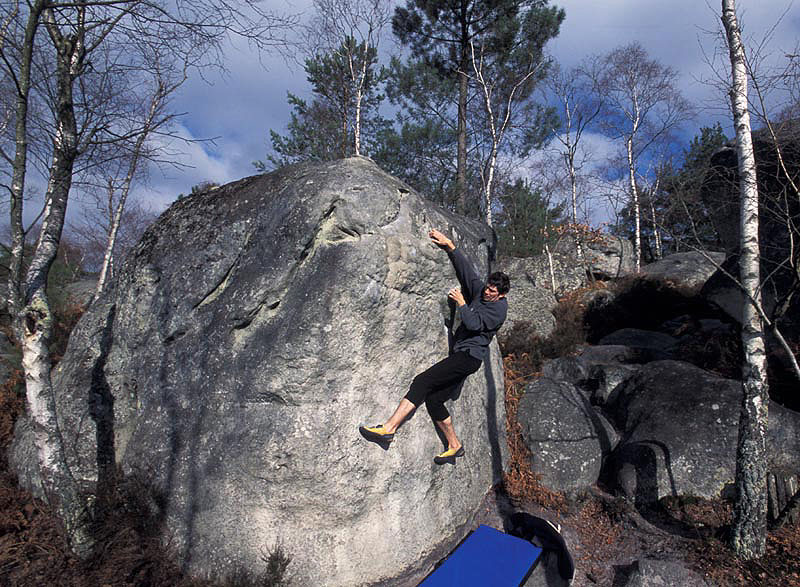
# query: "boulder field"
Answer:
x=249 y=333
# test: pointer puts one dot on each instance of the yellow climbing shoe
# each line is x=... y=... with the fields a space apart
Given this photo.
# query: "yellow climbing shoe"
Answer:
x=449 y=456
x=376 y=433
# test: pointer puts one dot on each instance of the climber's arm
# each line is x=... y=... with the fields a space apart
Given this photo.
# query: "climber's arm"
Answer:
x=471 y=284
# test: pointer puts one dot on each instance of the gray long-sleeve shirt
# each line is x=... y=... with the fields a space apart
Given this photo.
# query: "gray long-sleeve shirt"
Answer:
x=480 y=320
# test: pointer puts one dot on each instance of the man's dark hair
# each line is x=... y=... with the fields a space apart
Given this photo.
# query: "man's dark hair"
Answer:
x=500 y=281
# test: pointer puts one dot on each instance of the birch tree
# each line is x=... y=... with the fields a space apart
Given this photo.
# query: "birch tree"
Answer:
x=156 y=117
x=440 y=34
x=507 y=66
x=577 y=110
x=641 y=105
x=750 y=509
x=21 y=73
x=353 y=28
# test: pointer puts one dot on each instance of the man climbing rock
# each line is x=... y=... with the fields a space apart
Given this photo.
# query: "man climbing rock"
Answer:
x=482 y=308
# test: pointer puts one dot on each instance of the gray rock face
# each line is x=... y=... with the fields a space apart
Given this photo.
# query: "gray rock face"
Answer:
x=725 y=294
x=251 y=331
x=691 y=269
x=533 y=299
x=679 y=424
x=567 y=273
x=784 y=438
x=592 y=372
x=609 y=258
x=606 y=377
x=567 y=437
x=569 y=369
x=650 y=572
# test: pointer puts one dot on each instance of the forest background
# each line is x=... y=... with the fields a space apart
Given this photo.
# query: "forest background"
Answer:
x=227 y=115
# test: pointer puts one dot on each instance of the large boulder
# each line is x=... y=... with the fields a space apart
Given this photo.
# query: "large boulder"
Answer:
x=679 y=426
x=251 y=331
x=690 y=269
x=567 y=436
x=607 y=257
x=532 y=300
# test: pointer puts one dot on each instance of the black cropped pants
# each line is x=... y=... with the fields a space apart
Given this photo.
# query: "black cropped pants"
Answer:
x=436 y=385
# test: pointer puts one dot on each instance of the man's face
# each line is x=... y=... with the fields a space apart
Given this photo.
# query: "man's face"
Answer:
x=490 y=293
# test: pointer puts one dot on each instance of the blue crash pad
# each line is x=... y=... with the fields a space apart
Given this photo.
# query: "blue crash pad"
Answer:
x=487 y=558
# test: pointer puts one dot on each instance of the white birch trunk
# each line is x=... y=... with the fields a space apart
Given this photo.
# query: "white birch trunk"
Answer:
x=37 y=315
x=360 y=83
x=105 y=270
x=15 y=295
x=637 y=232
x=487 y=192
x=497 y=130
x=550 y=266
x=573 y=180
x=116 y=218
x=750 y=510
x=657 y=252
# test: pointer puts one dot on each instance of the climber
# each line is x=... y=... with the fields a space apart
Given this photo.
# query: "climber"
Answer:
x=482 y=308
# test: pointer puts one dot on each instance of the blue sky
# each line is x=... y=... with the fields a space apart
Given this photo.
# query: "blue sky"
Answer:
x=239 y=108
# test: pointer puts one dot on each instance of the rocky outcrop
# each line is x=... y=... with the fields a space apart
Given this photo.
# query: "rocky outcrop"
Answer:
x=778 y=217
x=720 y=189
x=649 y=430
x=567 y=437
x=564 y=274
x=679 y=426
x=539 y=281
x=608 y=257
x=251 y=331
x=649 y=572
x=690 y=269
x=533 y=299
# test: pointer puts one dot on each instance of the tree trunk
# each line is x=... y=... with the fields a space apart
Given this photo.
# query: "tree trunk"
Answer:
x=116 y=220
x=487 y=192
x=15 y=295
x=750 y=510
x=637 y=232
x=37 y=314
x=116 y=215
x=550 y=266
x=360 y=83
x=657 y=252
x=461 y=163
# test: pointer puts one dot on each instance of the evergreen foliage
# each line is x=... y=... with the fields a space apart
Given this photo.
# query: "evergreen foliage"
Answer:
x=323 y=130
x=441 y=35
x=525 y=219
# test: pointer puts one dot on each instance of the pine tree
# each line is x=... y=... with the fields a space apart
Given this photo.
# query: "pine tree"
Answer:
x=323 y=129
x=440 y=34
